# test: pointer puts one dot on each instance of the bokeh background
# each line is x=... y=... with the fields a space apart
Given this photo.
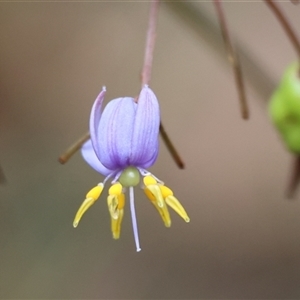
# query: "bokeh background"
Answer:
x=243 y=240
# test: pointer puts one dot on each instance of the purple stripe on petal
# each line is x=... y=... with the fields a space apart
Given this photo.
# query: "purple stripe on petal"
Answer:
x=95 y=119
x=116 y=127
x=88 y=153
x=146 y=129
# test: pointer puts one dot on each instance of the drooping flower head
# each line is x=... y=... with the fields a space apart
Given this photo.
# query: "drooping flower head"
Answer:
x=123 y=144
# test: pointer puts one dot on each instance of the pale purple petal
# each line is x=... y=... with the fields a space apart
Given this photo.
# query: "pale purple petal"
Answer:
x=152 y=160
x=90 y=157
x=95 y=119
x=116 y=127
x=145 y=130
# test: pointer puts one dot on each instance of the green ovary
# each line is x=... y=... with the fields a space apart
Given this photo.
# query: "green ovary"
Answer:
x=130 y=177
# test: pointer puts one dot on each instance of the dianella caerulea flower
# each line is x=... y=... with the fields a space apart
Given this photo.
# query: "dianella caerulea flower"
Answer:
x=123 y=144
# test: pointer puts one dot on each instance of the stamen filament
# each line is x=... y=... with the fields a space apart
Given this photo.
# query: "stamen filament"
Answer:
x=134 y=221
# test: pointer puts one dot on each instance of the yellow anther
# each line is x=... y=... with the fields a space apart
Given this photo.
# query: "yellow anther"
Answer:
x=175 y=204
x=87 y=203
x=116 y=202
x=115 y=189
x=95 y=192
x=149 y=180
x=155 y=190
x=91 y=198
x=116 y=225
x=165 y=191
x=149 y=194
x=112 y=203
x=121 y=200
x=164 y=213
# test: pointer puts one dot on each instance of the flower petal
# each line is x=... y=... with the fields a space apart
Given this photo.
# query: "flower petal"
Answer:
x=152 y=160
x=116 y=127
x=145 y=130
x=90 y=157
x=95 y=120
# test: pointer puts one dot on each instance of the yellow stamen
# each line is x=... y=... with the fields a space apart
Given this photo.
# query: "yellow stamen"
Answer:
x=165 y=191
x=160 y=195
x=154 y=194
x=115 y=189
x=95 y=192
x=175 y=204
x=116 y=202
x=155 y=190
x=149 y=195
x=112 y=202
x=149 y=180
x=116 y=225
x=121 y=202
x=91 y=198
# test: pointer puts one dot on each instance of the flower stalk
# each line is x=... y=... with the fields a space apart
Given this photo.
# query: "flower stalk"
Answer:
x=145 y=78
x=150 y=43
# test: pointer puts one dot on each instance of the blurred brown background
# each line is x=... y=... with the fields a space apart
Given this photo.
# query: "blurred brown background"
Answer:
x=244 y=237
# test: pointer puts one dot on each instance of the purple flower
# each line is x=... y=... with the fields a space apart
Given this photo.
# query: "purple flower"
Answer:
x=123 y=144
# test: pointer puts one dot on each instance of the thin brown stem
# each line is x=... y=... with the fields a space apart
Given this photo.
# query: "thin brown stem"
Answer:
x=2 y=176
x=73 y=148
x=294 y=178
x=150 y=42
x=233 y=59
x=179 y=162
x=285 y=24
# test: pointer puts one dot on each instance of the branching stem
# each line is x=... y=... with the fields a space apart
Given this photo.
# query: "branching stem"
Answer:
x=73 y=148
x=285 y=24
